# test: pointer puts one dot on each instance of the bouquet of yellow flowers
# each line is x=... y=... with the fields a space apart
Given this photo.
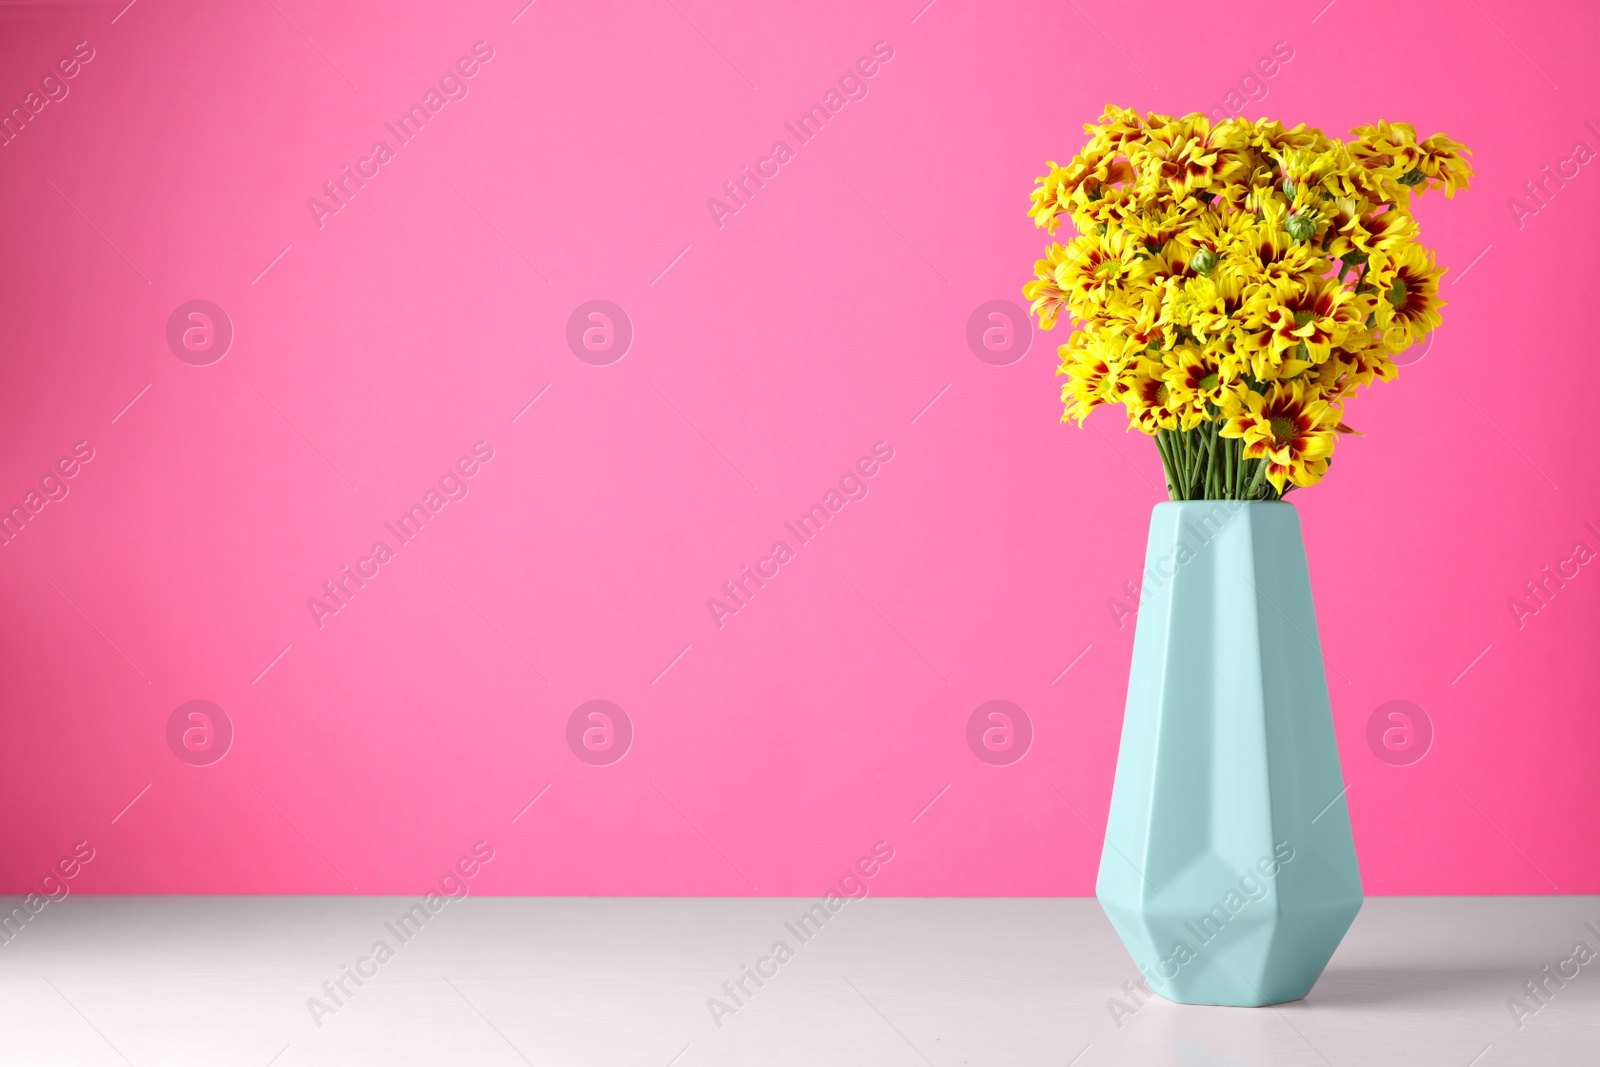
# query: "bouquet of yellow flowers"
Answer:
x=1234 y=283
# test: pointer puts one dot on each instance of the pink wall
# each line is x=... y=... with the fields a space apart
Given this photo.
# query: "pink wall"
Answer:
x=375 y=348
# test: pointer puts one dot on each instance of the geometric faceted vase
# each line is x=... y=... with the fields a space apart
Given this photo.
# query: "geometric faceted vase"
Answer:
x=1228 y=870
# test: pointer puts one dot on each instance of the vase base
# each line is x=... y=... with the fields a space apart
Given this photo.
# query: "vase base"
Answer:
x=1230 y=1002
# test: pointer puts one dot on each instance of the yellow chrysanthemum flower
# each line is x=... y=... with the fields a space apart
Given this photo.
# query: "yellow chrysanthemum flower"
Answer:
x=1390 y=148
x=1236 y=282
x=1091 y=360
x=1121 y=126
x=1217 y=232
x=1408 y=303
x=1142 y=389
x=1350 y=369
x=1271 y=137
x=1048 y=199
x=1363 y=235
x=1223 y=291
x=1046 y=295
x=1197 y=381
x=1096 y=266
x=1291 y=429
x=1188 y=155
x=1302 y=168
x=1442 y=163
x=1157 y=226
x=1317 y=314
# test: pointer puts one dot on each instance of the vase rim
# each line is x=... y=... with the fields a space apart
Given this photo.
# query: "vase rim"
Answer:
x=1236 y=505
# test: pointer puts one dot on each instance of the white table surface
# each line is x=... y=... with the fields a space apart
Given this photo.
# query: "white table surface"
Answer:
x=220 y=981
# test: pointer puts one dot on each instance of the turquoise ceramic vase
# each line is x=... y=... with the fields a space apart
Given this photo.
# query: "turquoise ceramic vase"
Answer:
x=1228 y=869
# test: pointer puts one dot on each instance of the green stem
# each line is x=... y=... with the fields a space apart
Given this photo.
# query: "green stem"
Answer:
x=1233 y=468
x=1167 y=466
x=1259 y=480
x=1180 y=458
x=1180 y=463
x=1196 y=460
x=1213 y=468
x=1201 y=464
x=1208 y=471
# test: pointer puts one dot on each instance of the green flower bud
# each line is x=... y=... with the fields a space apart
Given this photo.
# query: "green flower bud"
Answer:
x=1300 y=227
x=1203 y=262
x=1288 y=188
x=1413 y=177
